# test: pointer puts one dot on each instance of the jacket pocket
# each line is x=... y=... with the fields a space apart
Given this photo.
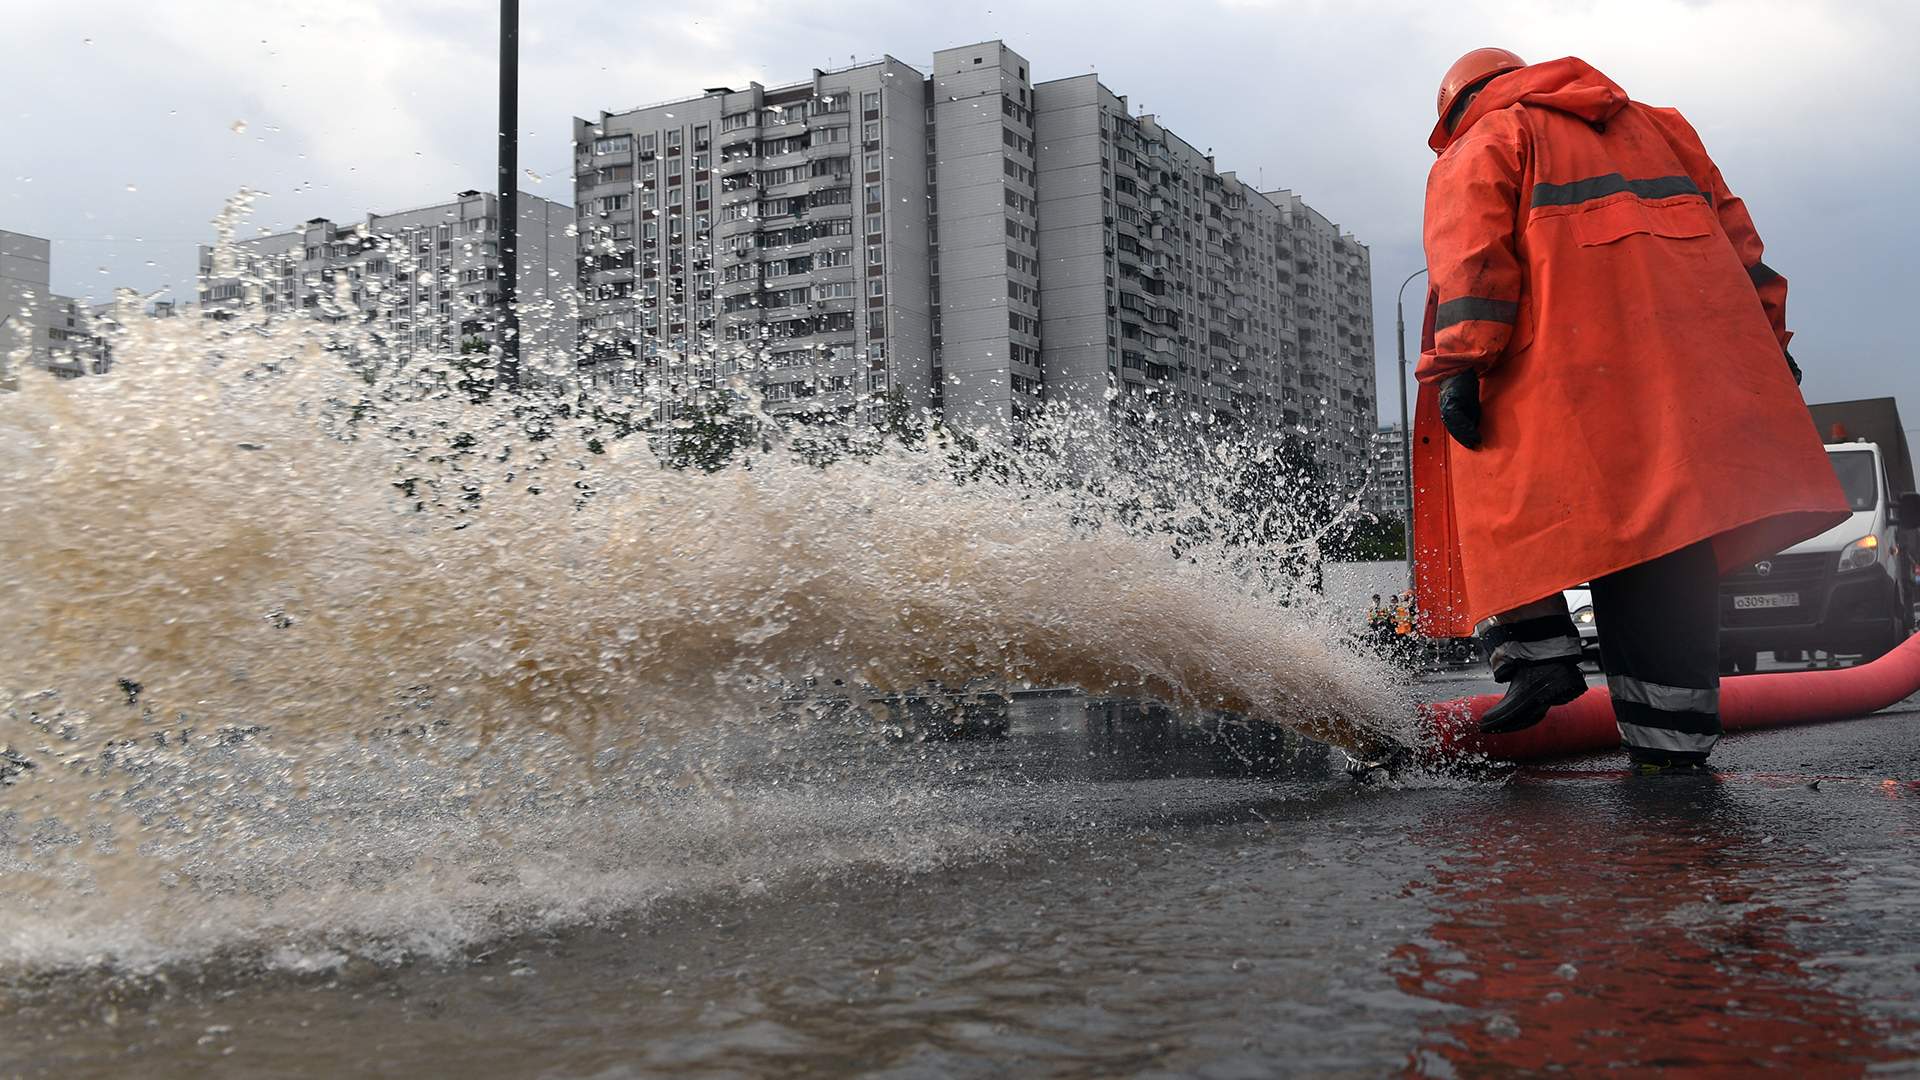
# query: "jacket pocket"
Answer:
x=1679 y=219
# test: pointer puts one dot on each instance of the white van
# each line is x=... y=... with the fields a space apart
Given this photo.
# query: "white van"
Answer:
x=1849 y=590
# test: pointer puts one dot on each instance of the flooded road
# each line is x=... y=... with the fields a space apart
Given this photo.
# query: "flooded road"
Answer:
x=1059 y=904
x=420 y=736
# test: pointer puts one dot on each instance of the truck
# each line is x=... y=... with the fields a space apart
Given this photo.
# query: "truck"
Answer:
x=1850 y=590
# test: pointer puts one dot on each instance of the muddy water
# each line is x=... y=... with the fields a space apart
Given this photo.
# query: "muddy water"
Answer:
x=265 y=592
x=1057 y=905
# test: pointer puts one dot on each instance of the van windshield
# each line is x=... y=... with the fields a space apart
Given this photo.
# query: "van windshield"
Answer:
x=1856 y=472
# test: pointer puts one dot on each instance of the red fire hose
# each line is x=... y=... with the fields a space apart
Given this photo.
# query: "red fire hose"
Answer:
x=1747 y=703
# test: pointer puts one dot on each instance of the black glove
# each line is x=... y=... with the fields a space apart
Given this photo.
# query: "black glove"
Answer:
x=1793 y=367
x=1460 y=408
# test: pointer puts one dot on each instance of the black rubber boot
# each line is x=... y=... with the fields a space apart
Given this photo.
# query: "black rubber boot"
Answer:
x=1537 y=686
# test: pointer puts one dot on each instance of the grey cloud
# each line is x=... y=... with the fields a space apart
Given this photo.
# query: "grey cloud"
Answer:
x=1808 y=107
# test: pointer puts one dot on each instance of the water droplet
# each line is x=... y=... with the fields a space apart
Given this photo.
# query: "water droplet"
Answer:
x=238 y=126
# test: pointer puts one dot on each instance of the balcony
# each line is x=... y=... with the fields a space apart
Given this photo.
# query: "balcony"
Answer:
x=724 y=229
x=818 y=149
x=827 y=181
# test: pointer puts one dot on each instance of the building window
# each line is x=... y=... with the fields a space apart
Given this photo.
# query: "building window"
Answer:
x=873 y=223
x=870 y=101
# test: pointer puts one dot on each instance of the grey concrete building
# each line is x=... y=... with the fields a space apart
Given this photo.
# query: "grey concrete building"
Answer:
x=987 y=366
x=1164 y=278
x=1007 y=243
x=1167 y=281
x=424 y=280
x=1387 y=490
x=76 y=339
x=26 y=302
x=1332 y=307
x=780 y=235
x=40 y=328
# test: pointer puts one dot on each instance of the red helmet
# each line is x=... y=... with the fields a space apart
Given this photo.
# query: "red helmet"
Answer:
x=1470 y=69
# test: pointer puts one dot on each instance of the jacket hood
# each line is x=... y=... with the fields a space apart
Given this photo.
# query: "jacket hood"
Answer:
x=1570 y=85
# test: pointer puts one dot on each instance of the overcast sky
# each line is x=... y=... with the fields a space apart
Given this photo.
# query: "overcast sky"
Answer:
x=124 y=126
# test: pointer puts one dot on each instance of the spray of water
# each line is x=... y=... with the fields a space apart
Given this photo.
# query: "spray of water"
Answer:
x=248 y=537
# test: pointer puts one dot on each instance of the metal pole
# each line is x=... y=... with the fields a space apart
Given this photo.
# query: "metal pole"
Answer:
x=1400 y=343
x=509 y=369
x=1406 y=431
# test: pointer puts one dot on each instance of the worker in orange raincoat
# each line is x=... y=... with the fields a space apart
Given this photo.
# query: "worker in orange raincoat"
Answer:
x=1606 y=397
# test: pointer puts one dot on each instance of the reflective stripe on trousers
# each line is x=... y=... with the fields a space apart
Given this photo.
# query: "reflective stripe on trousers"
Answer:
x=1541 y=630
x=1564 y=647
x=1659 y=627
x=1665 y=740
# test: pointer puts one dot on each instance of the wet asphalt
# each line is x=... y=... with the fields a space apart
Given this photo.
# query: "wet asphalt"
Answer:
x=1147 y=905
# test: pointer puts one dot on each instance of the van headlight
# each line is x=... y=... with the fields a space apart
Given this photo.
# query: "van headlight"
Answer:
x=1860 y=554
x=1584 y=616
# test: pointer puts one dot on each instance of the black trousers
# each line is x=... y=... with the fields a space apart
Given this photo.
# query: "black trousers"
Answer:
x=1659 y=627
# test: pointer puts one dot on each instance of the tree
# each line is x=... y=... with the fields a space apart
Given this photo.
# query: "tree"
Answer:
x=708 y=434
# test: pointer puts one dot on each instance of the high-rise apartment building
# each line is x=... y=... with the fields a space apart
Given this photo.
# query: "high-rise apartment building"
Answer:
x=779 y=232
x=1387 y=491
x=1164 y=278
x=1333 y=316
x=40 y=328
x=986 y=363
x=424 y=280
x=969 y=241
x=76 y=339
x=25 y=303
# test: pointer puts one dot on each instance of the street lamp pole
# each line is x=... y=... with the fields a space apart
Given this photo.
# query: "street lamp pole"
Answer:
x=508 y=372
x=1406 y=430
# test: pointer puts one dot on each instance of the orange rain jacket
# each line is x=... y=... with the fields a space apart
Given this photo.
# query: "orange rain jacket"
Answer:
x=1588 y=260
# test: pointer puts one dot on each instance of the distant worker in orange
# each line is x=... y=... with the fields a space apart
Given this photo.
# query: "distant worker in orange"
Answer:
x=1606 y=396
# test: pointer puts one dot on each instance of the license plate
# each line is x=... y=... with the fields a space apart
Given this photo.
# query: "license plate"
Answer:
x=1766 y=600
